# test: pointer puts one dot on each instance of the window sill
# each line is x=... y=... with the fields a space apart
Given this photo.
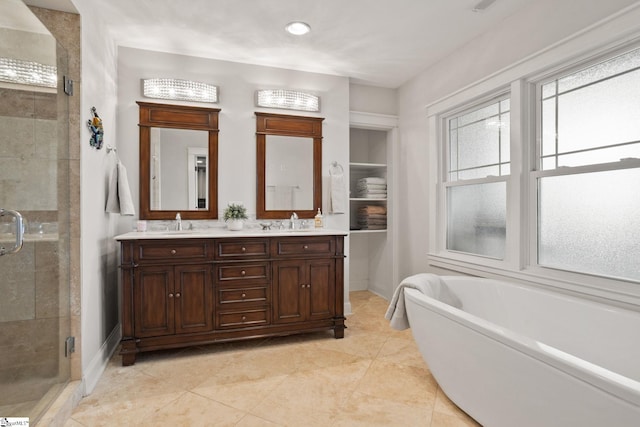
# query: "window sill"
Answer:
x=621 y=293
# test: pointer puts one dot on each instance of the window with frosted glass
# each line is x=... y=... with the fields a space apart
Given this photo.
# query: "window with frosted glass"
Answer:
x=592 y=116
x=590 y=223
x=476 y=219
x=478 y=150
x=479 y=142
x=588 y=217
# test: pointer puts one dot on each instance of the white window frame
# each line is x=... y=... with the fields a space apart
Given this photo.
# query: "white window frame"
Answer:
x=520 y=79
x=444 y=183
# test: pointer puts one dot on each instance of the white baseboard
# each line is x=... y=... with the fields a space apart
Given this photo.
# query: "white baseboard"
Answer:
x=92 y=374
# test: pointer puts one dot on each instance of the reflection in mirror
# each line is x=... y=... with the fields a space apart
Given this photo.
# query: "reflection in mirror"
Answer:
x=289 y=157
x=178 y=181
x=178 y=161
x=289 y=173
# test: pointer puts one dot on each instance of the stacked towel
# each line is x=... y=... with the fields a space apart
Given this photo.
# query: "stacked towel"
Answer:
x=372 y=188
x=372 y=217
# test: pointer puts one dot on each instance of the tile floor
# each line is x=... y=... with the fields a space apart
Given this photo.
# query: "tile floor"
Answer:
x=375 y=376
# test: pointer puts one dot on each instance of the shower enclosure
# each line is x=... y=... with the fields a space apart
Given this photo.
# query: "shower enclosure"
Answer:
x=34 y=182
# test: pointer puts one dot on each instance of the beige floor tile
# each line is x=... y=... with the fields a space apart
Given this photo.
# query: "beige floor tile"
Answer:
x=362 y=410
x=312 y=396
x=360 y=346
x=390 y=381
x=253 y=421
x=375 y=376
x=135 y=410
x=194 y=410
x=243 y=395
x=447 y=409
x=445 y=420
x=72 y=423
x=402 y=352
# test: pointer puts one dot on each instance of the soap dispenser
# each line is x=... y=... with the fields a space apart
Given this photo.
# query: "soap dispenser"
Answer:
x=318 y=219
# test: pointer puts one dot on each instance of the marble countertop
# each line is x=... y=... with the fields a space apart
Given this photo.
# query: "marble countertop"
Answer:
x=210 y=233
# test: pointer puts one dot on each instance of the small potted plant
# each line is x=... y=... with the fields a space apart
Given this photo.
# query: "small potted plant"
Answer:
x=234 y=216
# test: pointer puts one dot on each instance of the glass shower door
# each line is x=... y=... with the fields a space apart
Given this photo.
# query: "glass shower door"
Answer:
x=34 y=279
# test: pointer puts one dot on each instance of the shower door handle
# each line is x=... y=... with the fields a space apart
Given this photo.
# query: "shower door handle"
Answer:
x=19 y=232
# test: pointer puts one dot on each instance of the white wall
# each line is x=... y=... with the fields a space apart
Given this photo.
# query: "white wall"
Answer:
x=98 y=250
x=534 y=28
x=371 y=99
x=237 y=141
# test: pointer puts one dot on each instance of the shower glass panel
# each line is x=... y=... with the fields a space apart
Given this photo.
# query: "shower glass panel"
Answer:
x=34 y=180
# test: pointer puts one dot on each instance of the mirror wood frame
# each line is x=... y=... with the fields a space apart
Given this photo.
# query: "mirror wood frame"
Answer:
x=177 y=117
x=287 y=125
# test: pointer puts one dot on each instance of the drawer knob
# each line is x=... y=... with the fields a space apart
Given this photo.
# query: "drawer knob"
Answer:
x=305 y=247
x=173 y=252
x=170 y=295
x=243 y=249
x=177 y=294
x=244 y=295
x=244 y=318
x=242 y=273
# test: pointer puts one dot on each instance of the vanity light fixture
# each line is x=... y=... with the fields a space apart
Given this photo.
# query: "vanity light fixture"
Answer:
x=287 y=99
x=182 y=90
x=28 y=73
x=297 y=28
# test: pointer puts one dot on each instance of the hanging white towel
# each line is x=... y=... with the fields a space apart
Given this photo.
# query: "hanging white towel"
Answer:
x=428 y=284
x=338 y=194
x=118 y=193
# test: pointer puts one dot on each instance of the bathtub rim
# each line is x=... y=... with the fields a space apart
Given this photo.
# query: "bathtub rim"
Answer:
x=604 y=379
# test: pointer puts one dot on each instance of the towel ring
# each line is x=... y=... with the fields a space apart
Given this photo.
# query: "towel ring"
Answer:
x=336 y=169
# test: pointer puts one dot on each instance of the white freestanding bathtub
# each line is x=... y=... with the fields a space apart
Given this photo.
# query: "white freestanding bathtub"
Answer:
x=520 y=356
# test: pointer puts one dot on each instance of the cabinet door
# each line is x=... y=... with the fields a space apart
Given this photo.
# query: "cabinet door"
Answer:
x=193 y=298
x=153 y=301
x=321 y=288
x=289 y=291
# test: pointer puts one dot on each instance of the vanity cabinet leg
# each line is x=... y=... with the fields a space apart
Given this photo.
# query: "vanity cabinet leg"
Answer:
x=128 y=351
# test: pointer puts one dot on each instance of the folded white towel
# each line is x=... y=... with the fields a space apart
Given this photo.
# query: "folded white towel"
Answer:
x=363 y=186
x=372 y=180
x=428 y=284
x=118 y=193
x=338 y=194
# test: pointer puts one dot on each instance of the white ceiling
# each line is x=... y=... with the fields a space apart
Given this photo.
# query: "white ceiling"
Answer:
x=376 y=42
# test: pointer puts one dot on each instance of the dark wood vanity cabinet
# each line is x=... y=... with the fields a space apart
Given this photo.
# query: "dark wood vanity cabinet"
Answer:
x=181 y=292
x=172 y=300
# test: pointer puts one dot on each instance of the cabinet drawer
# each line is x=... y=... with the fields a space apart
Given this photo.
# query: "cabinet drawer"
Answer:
x=243 y=272
x=305 y=246
x=243 y=295
x=171 y=250
x=238 y=319
x=242 y=248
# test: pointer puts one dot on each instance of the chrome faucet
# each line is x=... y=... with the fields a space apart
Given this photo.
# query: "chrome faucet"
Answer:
x=178 y=222
x=294 y=218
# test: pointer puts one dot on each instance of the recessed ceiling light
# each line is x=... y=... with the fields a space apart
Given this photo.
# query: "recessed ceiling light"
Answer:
x=297 y=28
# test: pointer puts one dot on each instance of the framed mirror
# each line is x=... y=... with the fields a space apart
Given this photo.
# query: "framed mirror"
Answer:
x=289 y=161
x=178 y=161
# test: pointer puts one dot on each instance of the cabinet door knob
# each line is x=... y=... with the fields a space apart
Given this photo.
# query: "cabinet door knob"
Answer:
x=242 y=273
x=173 y=252
x=244 y=295
x=177 y=294
x=302 y=286
x=308 y=286
x=170 y=295
x=243 y=249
